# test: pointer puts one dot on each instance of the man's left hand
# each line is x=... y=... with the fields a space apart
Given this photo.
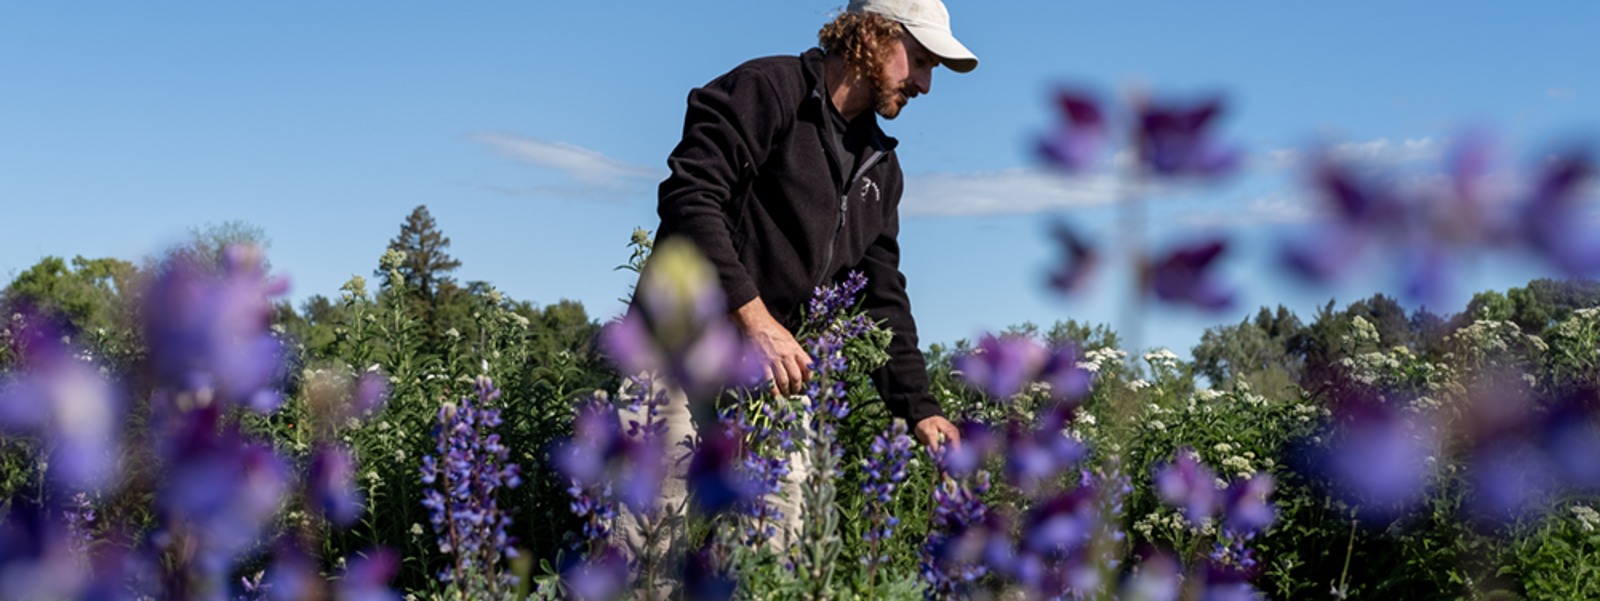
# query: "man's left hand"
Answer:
x=936 y=431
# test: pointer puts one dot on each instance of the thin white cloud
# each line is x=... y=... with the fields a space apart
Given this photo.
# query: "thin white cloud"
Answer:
x=590 y=174
x=1382 y=151
x=1281 y=207
x=1009 y=191
x=1560 y=93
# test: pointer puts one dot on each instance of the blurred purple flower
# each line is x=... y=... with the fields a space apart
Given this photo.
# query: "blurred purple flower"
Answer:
x=978 y=443
x=208 y=332
x=1377 y=459
x=1001 y=367
x=1038 y=455
x=220 y=488
x=1189 y=485
x=715 y=481
x=1075 y=144
x=679 y=326
x=602 y=578
x=1156 y=578
x=1245 y=505
x=1078 y=259
x=1362 y=209
x=367 y=578
x=1550 y=223
x=36 y=559
x=64 y=401
x=1185 y=276
x=371 y=393
x=292 y=576
x=1174 y=140
x=704 y=580
x=332 y=486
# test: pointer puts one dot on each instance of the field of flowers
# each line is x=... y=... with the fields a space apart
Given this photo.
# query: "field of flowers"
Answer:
x=213 y=452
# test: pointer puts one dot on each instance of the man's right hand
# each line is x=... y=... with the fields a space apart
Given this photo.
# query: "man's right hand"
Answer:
x=785 y=362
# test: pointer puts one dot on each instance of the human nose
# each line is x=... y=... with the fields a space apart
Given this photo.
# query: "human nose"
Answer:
x=923 y=81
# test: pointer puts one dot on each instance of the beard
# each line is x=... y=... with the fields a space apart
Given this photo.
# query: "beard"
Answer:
x=888 y=94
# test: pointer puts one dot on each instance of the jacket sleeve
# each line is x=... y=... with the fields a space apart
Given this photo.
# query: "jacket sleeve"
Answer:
x=903 y=381
x=728 y=130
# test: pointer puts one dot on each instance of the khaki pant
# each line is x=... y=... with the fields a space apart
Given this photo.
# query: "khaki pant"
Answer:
x=669 y=544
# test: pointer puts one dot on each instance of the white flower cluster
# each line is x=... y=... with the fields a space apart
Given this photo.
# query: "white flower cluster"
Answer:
x=1173 y=522
x=1206 y=395
x=1137 y=384
x=1095 y=359
x=1587 y=517
x=1240 y=464
x=1162 y=358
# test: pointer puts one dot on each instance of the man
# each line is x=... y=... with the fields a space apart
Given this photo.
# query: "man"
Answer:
x=785 y=182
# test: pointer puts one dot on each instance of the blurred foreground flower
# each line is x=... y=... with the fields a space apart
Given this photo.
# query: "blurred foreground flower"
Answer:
x=1184 y=276
x=1174 y=139
x=1075 y=145
x=679 y=326
x=1426 y=228
x=1002 y=367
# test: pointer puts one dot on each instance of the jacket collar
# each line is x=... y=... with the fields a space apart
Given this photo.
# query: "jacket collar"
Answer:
x=811 y=65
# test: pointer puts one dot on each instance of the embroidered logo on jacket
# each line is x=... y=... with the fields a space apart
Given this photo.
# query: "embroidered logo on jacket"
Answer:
x=867 y=185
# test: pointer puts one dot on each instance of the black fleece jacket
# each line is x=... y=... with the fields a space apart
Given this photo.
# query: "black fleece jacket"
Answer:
x=754 y=185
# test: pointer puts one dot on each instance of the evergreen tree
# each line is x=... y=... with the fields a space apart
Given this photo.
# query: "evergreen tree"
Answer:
x=427 y=267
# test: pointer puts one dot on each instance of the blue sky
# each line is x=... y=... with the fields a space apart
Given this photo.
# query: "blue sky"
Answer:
x=535 y=132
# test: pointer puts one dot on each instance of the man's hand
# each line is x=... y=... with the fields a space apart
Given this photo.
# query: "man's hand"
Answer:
x=935 y=431
x=784 y=361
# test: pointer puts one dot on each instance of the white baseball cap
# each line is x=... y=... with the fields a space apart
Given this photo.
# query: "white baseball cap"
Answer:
x=929 y=23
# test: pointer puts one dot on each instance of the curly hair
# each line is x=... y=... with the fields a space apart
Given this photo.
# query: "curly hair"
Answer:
x=848 y=36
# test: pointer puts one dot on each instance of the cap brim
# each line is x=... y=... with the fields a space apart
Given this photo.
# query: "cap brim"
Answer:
x=950 y=52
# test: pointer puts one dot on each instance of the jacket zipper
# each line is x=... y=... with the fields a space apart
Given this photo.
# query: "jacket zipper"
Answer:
x=844 y=207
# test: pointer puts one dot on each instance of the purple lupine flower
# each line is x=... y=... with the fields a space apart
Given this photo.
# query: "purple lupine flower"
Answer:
x=1187 y=484
x=830 y=306
x=1185 y=276
x=680 y=328
x=79 y=517
x=332 y=487
x=1175 y=140
x=367 y=577
x=1078 y=261
x=1075 y=145
x=1001 y=367
x=766 y=464
x=208 y=334
x=585 y=461
x=472 y=467
x=886 y=469
x=952 y=555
